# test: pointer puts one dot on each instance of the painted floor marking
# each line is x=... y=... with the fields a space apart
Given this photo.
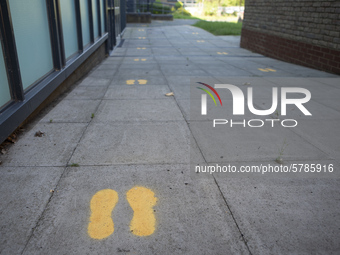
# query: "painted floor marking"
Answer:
x=222 y=53
x=140 y=29
x=141 y=37
x=141 y=48
x=142 y=201
x=200 y=41
x=102 y=204
x=130 y=82
x=142 y=59
x=267 y=70
x=142 y=82
x=195 y=33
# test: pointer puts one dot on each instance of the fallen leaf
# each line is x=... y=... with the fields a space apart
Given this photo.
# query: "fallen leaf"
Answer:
x=39 y=133
x=169 y=94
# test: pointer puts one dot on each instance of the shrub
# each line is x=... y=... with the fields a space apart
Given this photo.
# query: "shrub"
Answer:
x=178 y=5
x=182 y=11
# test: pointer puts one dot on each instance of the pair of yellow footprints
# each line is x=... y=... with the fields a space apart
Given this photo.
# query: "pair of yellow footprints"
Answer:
x=141 y=200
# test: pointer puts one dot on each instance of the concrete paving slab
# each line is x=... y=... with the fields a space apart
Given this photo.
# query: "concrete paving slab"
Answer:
x=137 y=92
x=150 y=80
x=136 y=72
x=240 y=143
x=318 y=90
x=287 y=216
x=322 y=134
x=135 y=143
x=53 y=148
x=106 y=74
x=88 y=92
x=24 y=193
x=164 y=109
x=73 y=111
x=95 y=81
x=191 y=217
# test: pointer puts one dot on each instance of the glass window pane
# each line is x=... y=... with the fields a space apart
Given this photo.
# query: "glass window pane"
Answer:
x=32 y=38
x=68 y=16
x=85 y=23
x=95 y=18
x=102 y=9
x=5 y=95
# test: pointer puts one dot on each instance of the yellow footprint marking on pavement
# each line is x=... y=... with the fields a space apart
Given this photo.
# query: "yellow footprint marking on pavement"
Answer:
x=195 y=33
x=141 y=48
x=140 y=29
x=142 y=81
x=267 y=70
x=143 y=59
x=141 y=37
x=200 y=41
x=222 y=53
x=130 y=82
x=136 y=59
x=142 y=201
x=102 y=204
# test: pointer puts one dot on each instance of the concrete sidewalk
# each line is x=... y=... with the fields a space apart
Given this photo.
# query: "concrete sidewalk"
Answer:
x=117 y=130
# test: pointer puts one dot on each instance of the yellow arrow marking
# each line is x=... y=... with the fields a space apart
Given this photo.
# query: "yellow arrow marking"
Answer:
x=102 y=204
x=142 y=201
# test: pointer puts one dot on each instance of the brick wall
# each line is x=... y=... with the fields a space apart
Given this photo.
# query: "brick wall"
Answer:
x=305 y=32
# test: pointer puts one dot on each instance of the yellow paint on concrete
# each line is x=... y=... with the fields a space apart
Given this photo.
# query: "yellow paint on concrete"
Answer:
x=140 y=29
x=222 y=53
x=142 y=201
x=102 y=204
x=195 y=33
x=130 y=82
x=143 y=59
x=142 y=81
x=267 y=70
x=141 y=37
x=200 y=41
x=141 y=48
x=136 y=59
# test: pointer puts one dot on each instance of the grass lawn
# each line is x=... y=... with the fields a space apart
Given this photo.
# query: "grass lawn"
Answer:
x=181 y=16
x=220 y=28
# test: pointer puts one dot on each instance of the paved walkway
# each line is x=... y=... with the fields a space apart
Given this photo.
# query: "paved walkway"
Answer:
x=117 y=141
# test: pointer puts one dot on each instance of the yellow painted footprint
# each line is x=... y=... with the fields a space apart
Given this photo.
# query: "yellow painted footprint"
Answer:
x=142 y=201
x=102 y=204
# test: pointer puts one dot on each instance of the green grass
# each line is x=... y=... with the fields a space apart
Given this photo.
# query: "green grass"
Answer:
x=180 y=16
x=220 y=28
